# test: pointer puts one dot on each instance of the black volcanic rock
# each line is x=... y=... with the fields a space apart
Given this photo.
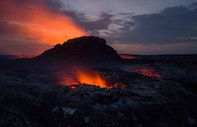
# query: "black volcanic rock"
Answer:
x=88 y=49
x=27 y=101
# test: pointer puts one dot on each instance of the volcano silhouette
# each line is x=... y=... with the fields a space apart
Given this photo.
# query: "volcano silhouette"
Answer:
x=87 y=50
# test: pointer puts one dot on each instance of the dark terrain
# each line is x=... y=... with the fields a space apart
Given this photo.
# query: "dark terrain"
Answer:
x=158 y=90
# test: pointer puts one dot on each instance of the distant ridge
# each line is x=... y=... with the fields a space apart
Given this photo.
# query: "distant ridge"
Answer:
x=9 y=57
x=158 y=56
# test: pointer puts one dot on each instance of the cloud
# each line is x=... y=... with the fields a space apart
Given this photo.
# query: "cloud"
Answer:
x=47 y=22
x=6 y=28
x=101 y=23
x=182 y=48
x=172 y=25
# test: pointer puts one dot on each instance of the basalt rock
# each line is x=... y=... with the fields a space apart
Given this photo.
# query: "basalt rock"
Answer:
x=146 y=101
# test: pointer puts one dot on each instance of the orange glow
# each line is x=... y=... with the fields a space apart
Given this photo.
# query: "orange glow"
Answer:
x=92 y=78
x=89 y=77
x=146 y=71
x=37 y=19
x=80 y=76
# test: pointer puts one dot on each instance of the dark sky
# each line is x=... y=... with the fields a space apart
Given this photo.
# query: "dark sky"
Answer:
x=129 y=26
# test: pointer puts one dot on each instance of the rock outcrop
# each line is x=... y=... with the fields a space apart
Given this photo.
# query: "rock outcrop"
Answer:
x=86 y=49
x=82 y=51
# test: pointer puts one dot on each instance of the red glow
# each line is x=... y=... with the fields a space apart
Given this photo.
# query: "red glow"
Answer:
x=125 y=56
x=76 y=83
x=117 y=85
x=72 y=87
x=146 y=71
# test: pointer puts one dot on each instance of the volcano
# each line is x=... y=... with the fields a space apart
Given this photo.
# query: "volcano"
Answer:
x=86 y=49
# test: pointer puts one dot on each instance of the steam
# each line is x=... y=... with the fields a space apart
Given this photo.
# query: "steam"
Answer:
x=36 y=20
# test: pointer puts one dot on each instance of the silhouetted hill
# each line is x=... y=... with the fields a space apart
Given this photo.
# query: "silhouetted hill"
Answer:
x=86 y=49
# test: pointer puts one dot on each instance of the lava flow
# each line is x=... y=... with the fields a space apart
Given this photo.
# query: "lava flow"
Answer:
x=147 y=71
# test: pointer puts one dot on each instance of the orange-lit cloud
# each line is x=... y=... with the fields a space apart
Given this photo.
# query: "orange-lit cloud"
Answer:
x=38 y=20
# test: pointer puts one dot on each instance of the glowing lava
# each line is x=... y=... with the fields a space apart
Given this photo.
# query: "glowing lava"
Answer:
x=147 y=71
x=76 y=83
x=117 y=85
x=89 y=77
x=72 y=87
x=92 y=78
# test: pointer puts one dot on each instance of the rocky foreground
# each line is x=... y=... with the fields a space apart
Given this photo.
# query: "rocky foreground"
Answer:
x=35 y=99
x=142 y=92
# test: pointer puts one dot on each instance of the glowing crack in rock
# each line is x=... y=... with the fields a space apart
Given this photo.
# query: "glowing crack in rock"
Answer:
x=146 y=71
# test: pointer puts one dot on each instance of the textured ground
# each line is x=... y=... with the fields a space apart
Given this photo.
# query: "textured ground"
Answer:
x=35 y=93
x=35 y=98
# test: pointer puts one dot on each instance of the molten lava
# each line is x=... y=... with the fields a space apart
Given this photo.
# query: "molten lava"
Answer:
x=147 y=71
x=84 y=76
x=90 y=77
x=72 y=87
